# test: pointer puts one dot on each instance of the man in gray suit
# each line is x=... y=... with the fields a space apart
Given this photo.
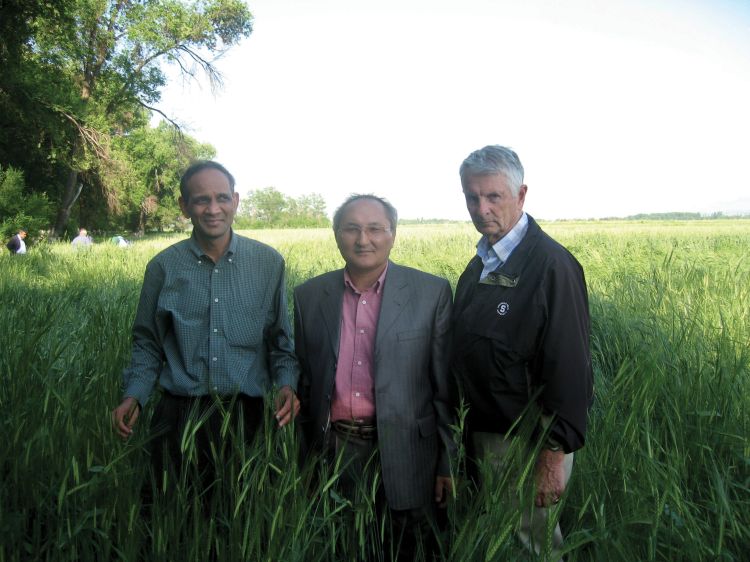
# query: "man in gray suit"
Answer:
x=373 y=344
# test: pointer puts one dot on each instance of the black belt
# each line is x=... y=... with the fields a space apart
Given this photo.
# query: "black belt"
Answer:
x=366 y=431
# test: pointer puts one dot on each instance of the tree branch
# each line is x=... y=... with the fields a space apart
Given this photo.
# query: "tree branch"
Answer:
x=160 y=112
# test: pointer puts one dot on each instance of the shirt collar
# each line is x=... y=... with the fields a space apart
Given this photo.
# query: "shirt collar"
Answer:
x=378 y=286
x=196 y=249
x=504 y=247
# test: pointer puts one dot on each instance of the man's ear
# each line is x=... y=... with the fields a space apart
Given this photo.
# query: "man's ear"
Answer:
x=183 y=207
x=522 y=194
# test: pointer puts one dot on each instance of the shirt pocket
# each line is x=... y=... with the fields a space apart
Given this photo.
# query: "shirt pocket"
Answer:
x=496 y=355
x=246 y=325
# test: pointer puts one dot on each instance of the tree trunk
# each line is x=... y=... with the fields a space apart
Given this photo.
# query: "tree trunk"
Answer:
x=72 y=191
x=142 y=222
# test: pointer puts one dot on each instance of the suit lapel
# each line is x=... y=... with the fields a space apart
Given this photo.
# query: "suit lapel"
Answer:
x=330 y=309
x=395 y=296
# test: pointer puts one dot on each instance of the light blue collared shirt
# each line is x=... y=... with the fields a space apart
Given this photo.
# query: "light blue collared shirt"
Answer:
x=495 y=256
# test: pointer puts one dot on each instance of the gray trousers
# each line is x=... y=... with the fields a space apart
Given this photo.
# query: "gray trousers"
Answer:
x=410 y=530
x=532 y=531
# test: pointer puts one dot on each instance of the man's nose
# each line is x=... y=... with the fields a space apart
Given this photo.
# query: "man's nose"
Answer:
x=484 y=207
x=362 y=237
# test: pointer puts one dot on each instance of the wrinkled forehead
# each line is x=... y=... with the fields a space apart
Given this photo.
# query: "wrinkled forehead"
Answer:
x=486 y=183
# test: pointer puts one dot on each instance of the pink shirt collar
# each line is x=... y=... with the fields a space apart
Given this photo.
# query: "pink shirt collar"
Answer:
x=378 y=286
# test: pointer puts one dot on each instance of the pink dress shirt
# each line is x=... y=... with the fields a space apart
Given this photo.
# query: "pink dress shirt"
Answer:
x=354 y=392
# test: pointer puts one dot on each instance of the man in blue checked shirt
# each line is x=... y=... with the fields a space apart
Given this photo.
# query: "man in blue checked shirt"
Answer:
x=211 y=330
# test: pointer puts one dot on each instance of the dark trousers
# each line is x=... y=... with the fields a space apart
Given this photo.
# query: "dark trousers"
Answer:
x=186 y=436
x=408 y=531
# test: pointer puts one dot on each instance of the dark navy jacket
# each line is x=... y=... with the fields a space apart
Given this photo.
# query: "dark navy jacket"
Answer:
x=522 y=334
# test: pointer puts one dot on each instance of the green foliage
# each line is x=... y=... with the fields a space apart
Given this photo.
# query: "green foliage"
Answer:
x=19 y=210
x=269 y=208
x=665 y=216
x=81 y=73
x=665 y=474
x=148 y=177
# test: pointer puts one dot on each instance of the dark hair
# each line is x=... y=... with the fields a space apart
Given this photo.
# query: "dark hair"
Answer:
x=199 y=166
x=390 y=210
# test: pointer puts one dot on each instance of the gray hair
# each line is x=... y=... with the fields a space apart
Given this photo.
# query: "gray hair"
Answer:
x=492 y=160
x=199 y=166
x=390 y=210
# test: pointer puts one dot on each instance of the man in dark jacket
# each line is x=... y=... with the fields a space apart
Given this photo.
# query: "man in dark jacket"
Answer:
x=16 y=245
x=521 y=338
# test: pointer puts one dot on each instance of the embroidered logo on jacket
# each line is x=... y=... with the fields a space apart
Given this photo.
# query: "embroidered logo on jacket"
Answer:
x=503 y=308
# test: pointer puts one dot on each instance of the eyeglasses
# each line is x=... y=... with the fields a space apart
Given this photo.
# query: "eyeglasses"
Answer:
x=372 y=231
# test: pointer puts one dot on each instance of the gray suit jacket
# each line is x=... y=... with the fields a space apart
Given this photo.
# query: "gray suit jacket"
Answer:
x=414 y=396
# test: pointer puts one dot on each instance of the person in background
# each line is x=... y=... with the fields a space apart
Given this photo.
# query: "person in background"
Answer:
x=211 y=331
x=119 y=241
x=373 y=344
x=521 y=338
x=82 y=240
x=16 y=244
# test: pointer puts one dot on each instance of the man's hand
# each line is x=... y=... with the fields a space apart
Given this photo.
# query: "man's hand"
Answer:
x=287 y=405
x=125 y=416
x=549 y=475
x=443 y=490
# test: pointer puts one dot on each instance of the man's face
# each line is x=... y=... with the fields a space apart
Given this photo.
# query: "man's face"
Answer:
x=211 y=205
x=22 y=234
x=364 y=236
x=493 y=208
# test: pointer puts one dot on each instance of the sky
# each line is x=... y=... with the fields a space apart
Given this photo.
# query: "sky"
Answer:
x=614 y=107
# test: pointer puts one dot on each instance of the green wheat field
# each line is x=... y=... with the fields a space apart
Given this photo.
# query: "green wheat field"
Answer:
x=664 y=476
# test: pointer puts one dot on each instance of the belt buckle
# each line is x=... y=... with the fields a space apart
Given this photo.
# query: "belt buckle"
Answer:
x=365 y=432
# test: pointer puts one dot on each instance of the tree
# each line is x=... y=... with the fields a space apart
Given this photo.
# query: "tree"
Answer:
x=18 y=210
x=313 y=207
x=33 y=136
x=156 y=158
x=92 y=66
x=269 y=208
x=265 y=206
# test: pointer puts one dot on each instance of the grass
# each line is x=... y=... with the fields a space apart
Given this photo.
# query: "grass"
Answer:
x=665 y=474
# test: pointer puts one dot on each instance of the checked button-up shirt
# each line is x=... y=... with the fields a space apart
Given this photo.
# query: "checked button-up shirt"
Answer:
x=206 y=328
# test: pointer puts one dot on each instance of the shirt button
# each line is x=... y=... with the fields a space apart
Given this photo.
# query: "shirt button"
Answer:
x=216 y=300
x=216 y=358
x=216 y=330
x=199 y=261
x=216 y=271
x=230 y=260
x=364 y=302
x=216 y=388
x=356 y=394
x=359 y=362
